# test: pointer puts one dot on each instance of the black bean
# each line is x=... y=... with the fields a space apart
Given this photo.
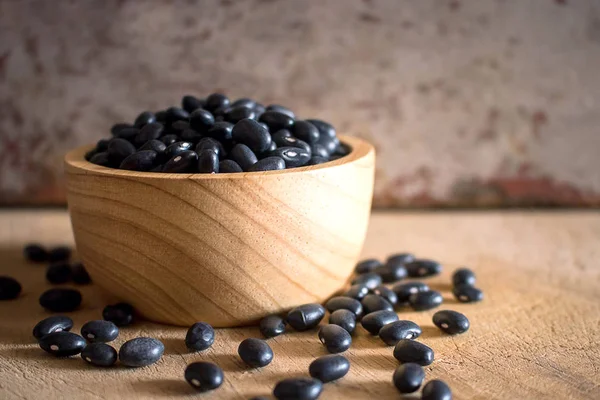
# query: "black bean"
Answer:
x=374 y=321
x=60 y=300
x=201 y=120
x=9 y=288
x=59 y=273
x=208 y=162
x=281 y=109
x=404 y=290
x=59 y=253
x=128 y=134
x=80 y=274
x=141 y=351
x=345 y=303
x=451 y=322
x=387 y=294
x=400 y=258
x=316 y=161
x=324 y=128
x=242 y=155
x=176 y=148
x=204 y=376
x=436 y=390
x=357 y=291
x=119 y=149
x=329 y=368
x=176 y=114
x=116 y=128
x=143 y=160
x=306 y=131
x=467 y=294
x=293 y=156
x=463 y=276
x=56 y=323
x=145 y=118
x=421 y=301
x=169 y=139
x=101 y=159
x=271 y=326
x=158 y=168
x=252 y=134
x=255 y=352
x=191 y=103
x=62 y=344
x=335 y=338
x=99 y=354
x=221 y=131
x=319 y=151
x=35 y=253
x=392 y=272
x=259 y=109
x=367 y=265
x=268 y=164
x=306 y=316
x=423 y=268
x=411 y=351
x=200 y=336
x=236 y=114
x=186 y=161
x=161 y=116
x=244 y=102
x=229 y=166
x=342 y=150
x=329 y=144
x=178 y=127
x=121 y=314
x=298 y=389
x=373 y=302
x=397 y=330
x=154 y=145
x=408 y=377
x=190 y=135
x=344 y=318
x=284 y=138
x=208 y=143
x=216 y=100
x=99 y=331
x=370 y=280
x=102 y=145
x=267 y=153
x=148 y=132
x=276 y=120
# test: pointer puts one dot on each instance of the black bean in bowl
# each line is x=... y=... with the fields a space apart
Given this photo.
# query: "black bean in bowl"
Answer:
x=245 y=135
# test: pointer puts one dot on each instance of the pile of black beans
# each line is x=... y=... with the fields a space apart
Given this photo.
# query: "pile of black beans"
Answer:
x=216 y=135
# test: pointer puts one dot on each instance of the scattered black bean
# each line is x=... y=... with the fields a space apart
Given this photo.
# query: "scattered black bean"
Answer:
x=335 y=338
x=374 y=321
x=306 y=131
x=148 y=132
x=243 y=155
x=176 y=114
x=9 y=288
x=62 y=344
x=79 y=274
x=467 y=294
x=35 y=253
x=436 y=390
x=281 y=109
x=177 y=148
x=344 y=303
x=298 y=389
x=404 y=290
x=200 y=336
x=387 y=294
x=397 y=330
x=141 y=351
x=271 y=326
x=99 y=354
x=191 y=103
x=255 y=352
x=99 y=331
x=276 y=120
x=59 y=273
x=215 y=101
x=185 y=161
x=145 y=118
x=60 y=300
x=451 y=322
x=143 y=160
x=357 y=291
x=411 y=351
x=59 y=253
x=169 y=139
x=344 y=318
x=118 y=150
x=367 y=265
x=373 y=302
x=370 y=280
x=293 y=156
x=392 y=272
x=229 y=166
x=154 y=145
x=329 y=368
x=421 y=301
x=423 y=268
x=306 y=316
x=208 y=162
x=408 y=377
x=221 y=131
x=121 y=314
x=55 y=323
x=268 y=164
x=463 y=276
x=204 y=376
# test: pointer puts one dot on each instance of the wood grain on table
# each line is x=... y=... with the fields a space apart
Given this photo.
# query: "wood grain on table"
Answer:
x=535 y=336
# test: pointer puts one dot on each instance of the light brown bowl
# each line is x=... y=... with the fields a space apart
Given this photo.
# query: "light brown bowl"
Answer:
x=225 y=249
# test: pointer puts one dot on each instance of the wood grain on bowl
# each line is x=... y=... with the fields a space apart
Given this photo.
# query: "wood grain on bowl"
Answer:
x=226 y=249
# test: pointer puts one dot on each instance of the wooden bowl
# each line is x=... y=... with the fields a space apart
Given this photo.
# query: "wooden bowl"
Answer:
x=226 y=249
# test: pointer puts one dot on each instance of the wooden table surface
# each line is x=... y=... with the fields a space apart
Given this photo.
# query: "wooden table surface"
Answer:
x=535 y=336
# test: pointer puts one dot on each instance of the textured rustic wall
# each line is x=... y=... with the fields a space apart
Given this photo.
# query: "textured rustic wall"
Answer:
x=480 y=102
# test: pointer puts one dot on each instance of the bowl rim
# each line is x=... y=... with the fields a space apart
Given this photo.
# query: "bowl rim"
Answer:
x=75 y=160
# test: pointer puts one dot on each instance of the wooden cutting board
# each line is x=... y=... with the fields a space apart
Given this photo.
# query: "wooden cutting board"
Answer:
x=535 y=336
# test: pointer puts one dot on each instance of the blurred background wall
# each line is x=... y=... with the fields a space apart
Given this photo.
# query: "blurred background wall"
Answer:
x=469 y=102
